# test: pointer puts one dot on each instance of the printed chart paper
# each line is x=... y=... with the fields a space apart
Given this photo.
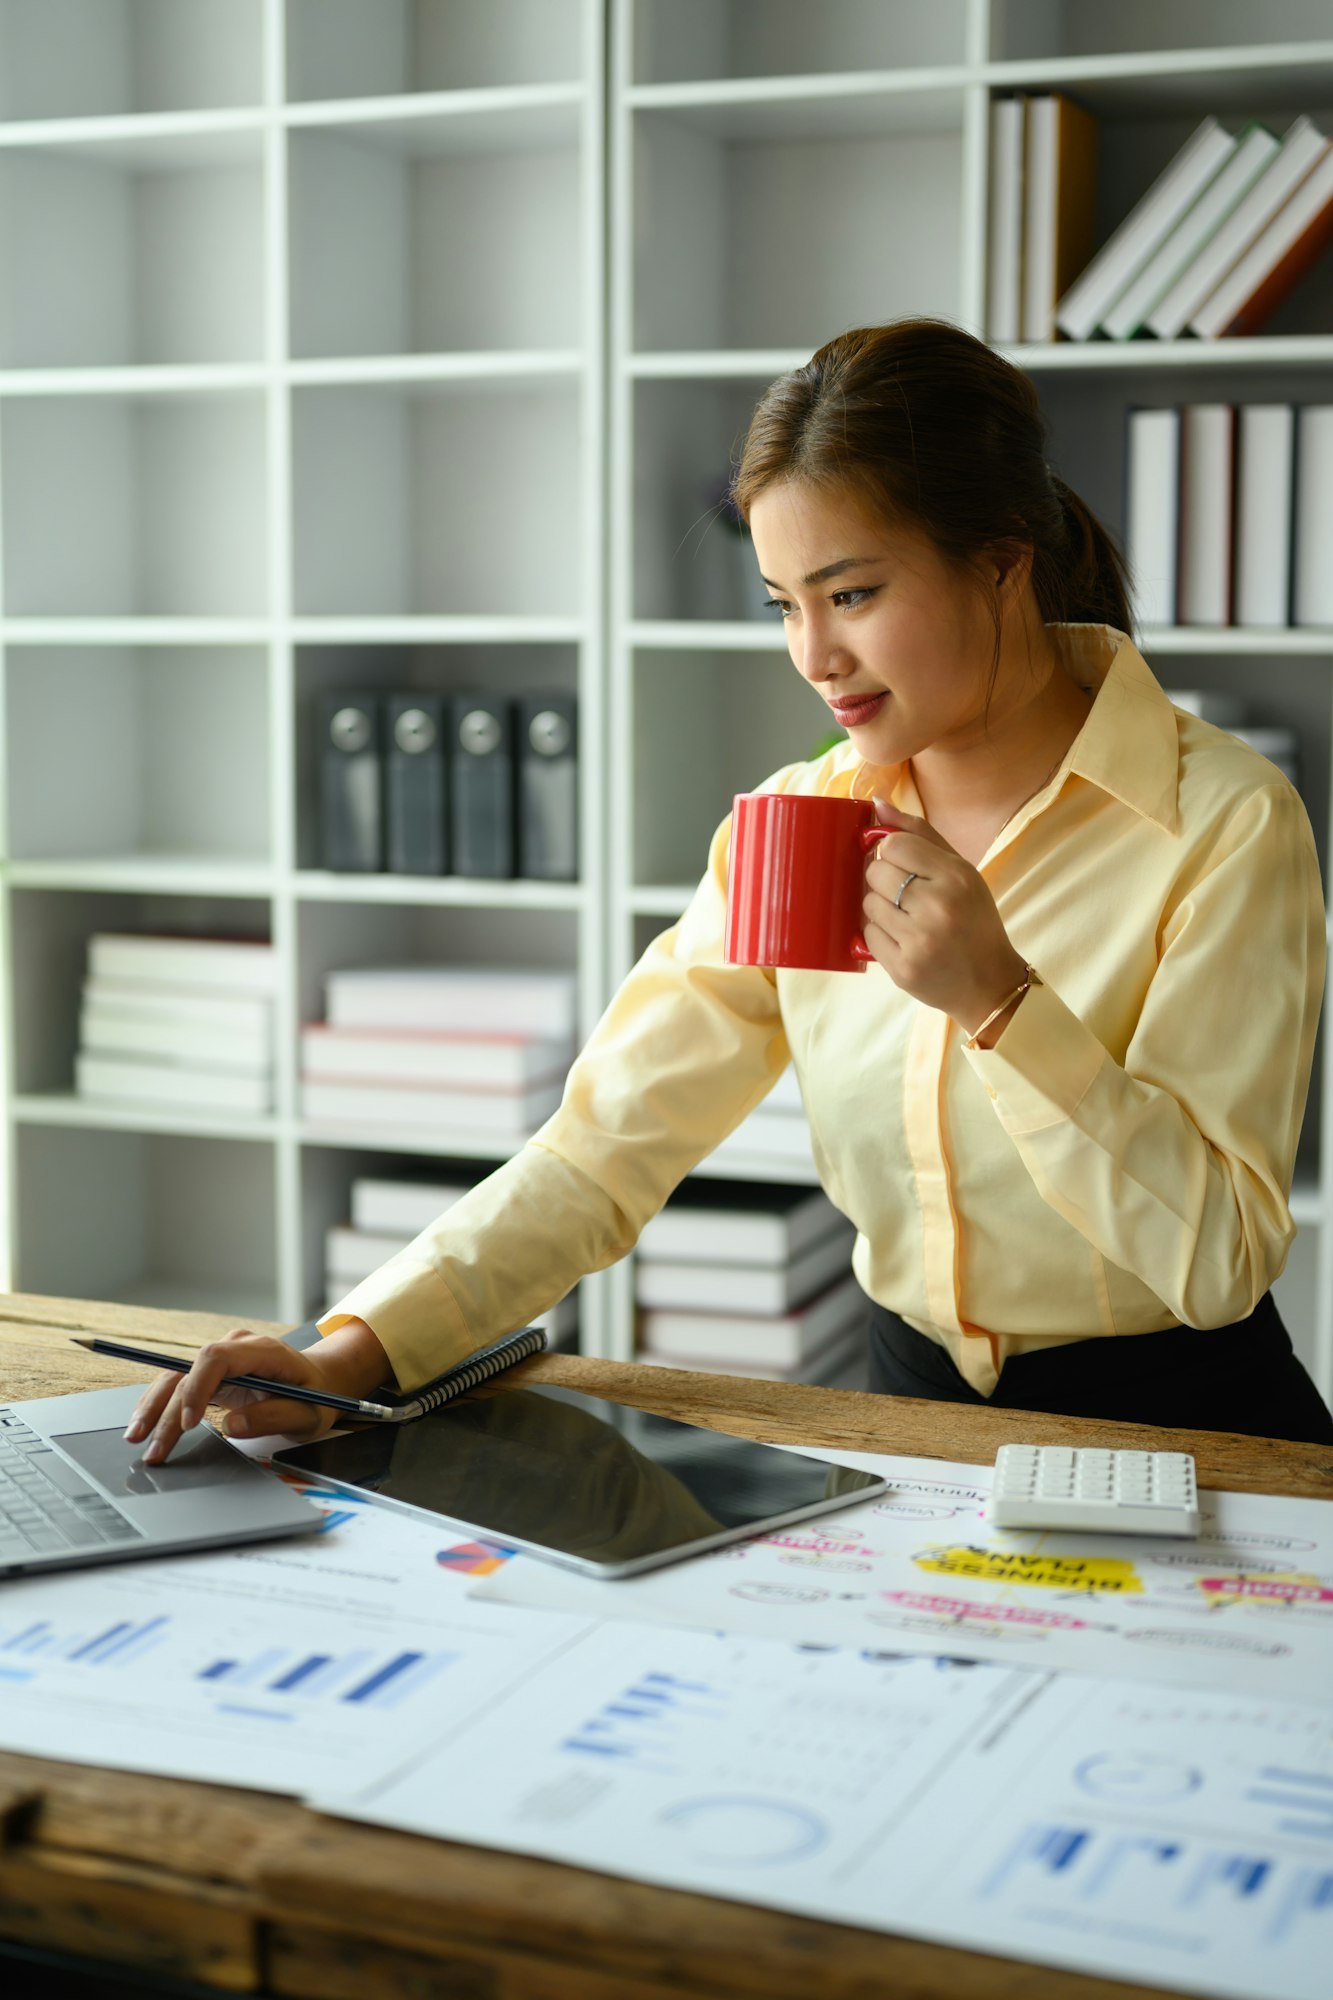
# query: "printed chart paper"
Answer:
x=1181 y=1838
x=264 y=1666
x=1247 y=1607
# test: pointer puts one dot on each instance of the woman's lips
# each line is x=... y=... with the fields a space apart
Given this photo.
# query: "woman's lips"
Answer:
x=850 y=713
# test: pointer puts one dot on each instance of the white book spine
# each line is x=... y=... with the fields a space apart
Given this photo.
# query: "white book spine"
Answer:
x=494 y=1113
x=1313 y=584
x=352 y=1254
x=124 y=1081
x=779 y=1340
x=1153 y=512
x=1264 y=468
x=147 y=1001
x=400 y=1208
x=403 y=1056
x=1005 y=245
x=743 y=1287
x=733 y=1236
x=1039 y=220
x=167 y=1041
x=1207 y=452
x=452 y=1001
x=233 y=965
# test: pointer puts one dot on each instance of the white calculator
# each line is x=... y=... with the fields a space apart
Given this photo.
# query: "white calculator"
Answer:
x=1116 y=1492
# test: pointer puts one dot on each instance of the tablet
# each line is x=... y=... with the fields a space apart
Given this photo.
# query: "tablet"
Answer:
x=600 y=1487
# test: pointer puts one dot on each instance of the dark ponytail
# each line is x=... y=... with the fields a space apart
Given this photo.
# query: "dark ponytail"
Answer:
x=939 y=433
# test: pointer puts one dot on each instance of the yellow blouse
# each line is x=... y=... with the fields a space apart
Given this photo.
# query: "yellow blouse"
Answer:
x=1119 y=1162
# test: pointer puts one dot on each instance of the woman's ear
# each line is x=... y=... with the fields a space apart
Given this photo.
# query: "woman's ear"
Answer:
x=1010 y=568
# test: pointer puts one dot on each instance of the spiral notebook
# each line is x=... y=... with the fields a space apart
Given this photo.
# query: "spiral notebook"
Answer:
x=400 y=1407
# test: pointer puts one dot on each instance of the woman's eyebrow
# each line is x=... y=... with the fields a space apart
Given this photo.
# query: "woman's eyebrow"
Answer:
x=829 y=569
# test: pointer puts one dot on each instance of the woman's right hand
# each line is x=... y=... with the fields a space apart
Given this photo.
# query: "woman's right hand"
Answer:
x=350 y=1362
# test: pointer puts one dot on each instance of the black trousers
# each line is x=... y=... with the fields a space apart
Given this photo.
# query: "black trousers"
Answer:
x=1242 y=1378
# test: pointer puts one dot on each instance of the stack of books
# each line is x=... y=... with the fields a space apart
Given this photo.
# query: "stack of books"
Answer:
x=1218 y=241
x=385 y=1216
x=177 y=1021
x=739 y=1280
x=775 y=1129
x=480 y=1049
x=1228 y=511
x=1042 y=186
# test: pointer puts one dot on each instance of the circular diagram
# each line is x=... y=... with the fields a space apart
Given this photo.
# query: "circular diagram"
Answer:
x=747 y=1831
x=1136 y=1777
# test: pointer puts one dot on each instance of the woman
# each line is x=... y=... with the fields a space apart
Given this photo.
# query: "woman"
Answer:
x=1063 y=1108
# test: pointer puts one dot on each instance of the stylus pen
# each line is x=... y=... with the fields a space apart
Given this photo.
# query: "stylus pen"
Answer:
x=352 y=1406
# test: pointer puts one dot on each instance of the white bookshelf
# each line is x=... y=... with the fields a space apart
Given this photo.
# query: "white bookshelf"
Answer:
x=301 y=388
x=814 y=169
x=398 y=344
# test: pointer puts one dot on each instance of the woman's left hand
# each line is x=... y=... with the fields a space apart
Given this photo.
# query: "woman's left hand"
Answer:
x=946 y=946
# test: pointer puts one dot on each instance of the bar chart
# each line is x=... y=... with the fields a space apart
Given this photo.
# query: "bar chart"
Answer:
x=24 y=1643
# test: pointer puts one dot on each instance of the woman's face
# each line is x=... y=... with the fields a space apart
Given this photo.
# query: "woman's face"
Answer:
x=896 y=642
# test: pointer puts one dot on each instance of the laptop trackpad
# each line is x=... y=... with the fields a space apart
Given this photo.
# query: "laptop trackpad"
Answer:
x=200 y=1459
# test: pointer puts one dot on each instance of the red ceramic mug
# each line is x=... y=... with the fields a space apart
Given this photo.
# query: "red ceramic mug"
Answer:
x=796 y=880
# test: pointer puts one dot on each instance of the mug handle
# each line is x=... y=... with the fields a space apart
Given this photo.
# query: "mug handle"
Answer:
x=870 y=837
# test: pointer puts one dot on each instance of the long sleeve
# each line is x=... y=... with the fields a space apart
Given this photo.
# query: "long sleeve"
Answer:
x=1176 y=1165
x=687 y=1047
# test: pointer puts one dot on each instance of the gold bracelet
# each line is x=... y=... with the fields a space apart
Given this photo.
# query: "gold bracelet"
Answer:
x=1030 y=974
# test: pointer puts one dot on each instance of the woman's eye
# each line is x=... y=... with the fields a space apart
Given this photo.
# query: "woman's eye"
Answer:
x=778 y=604
x=852 y=600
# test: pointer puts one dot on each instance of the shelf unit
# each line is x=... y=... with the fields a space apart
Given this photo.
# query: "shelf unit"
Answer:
x=301 y=388
x=403 y=343
x=759 y=148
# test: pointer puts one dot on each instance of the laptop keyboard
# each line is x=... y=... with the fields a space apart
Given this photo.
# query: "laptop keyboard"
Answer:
x=46 y=1505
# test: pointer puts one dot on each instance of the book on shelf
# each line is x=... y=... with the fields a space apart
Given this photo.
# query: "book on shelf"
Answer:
x=1255 y=148
x=1129 y=246
x=1004 y=253
x=1274 y=265
x=748 y=1288
x=1265 y=463
x=494 y=1000
x=247 y=1016
x=110 y=1032
x=1059 y=190
x=400 y=1207
x=1312 y=582
x=1207 y=467
x=496 y=1114
x=123 y=1080
x=1302 y=145
x=406 y=1055
x=827 y=1366
x=777 y=1340
x=237 y=964
x=1152 y=515
x=730 y=1222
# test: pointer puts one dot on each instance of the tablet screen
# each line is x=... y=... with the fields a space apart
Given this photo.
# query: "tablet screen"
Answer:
x=591 y=1483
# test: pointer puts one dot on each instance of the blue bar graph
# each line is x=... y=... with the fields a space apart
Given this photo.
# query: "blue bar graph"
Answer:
x=91 y=1648
x=28 y=1639
x=218 y=1671
x=367 y=1690
x=295 y=1676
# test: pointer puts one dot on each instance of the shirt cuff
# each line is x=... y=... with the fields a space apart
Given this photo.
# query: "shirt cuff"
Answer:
x=1042 y=1066
x=413 y=1315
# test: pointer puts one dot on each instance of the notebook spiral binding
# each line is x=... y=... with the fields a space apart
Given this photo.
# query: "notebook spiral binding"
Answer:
x=502 y=1354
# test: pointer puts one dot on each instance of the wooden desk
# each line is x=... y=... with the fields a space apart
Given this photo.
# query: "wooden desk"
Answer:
x=242 y=1892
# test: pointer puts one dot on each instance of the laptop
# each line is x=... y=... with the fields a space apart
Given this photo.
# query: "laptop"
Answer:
x=72 y=1492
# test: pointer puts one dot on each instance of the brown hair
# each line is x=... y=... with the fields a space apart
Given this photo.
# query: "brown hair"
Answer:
x=938 y=432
